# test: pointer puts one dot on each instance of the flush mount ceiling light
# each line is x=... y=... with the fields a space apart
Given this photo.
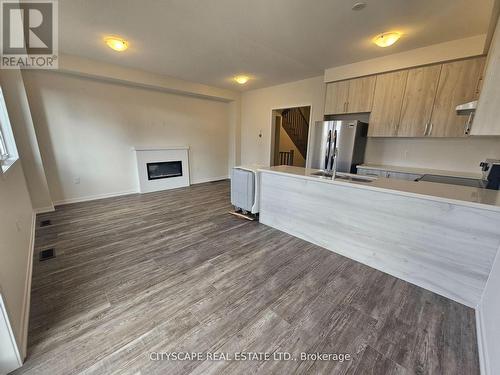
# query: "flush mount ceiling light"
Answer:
x=387 y=39
x=115 y=43
x=241 y=79
x=358 y=6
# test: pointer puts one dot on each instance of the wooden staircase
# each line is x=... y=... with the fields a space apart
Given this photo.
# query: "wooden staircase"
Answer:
x=297 y=127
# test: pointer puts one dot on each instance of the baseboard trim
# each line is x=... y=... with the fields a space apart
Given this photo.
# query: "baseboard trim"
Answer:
x=94 y=197
x=481 y=343
x=209 y=179
x=27 y=290
x=44 y=210
x=118 y=194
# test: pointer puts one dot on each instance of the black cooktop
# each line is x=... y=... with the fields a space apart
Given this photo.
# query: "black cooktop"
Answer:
x=473 y=182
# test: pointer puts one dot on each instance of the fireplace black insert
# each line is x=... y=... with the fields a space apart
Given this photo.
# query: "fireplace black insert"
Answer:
x=164 y=169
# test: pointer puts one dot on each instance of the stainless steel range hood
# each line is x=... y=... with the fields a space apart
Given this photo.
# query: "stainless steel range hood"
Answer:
x=466 y=108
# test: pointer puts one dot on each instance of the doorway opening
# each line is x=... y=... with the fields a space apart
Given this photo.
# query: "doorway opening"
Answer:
x=289 y=136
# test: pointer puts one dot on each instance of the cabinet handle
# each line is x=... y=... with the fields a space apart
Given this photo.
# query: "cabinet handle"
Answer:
x=426 y=128
x=468 y=124
x=478 y=84
x=430 y=128
x=345 y=106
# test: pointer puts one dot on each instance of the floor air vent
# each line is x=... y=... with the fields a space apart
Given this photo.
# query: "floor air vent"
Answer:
x=47 y=254
x=45 y=223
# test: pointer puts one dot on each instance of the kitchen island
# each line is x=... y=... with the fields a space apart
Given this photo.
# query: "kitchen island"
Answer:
x=441 y=237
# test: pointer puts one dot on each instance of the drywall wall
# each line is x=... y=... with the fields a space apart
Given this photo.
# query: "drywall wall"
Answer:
x=84 y=67
x=26 y=140
x=256 y=118
x=16 y=234
x=452 y=50
x=489 y=310
x=454 y=154
x=87 y=128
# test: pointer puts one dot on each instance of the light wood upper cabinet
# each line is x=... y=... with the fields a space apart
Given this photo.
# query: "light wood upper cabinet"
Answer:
x=420 y=91
x=360 y=96
x=421 y=102
x=351 y=96
x=458 y=83
x=336 y=97
x=387 y=102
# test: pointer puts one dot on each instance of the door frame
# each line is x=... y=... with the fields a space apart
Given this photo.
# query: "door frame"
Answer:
x=272 y=128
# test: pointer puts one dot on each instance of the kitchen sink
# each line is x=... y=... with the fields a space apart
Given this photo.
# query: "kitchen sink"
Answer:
x=344 y=176
x=323 y=174
x=354 y=178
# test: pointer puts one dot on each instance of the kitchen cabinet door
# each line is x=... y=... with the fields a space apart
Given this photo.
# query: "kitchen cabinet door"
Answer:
x=336 y=97
x=387 y=102
x=458 y=83
x=418 y=100
x=360 y=94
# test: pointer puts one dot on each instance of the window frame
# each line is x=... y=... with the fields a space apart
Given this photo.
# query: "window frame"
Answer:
x=8 y=148
x=4 y=153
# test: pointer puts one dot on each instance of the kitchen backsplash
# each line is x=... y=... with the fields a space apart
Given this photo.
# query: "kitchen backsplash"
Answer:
x=455 y=154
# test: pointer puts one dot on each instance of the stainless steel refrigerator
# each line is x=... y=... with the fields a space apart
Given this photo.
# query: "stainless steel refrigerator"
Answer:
x=347 y=137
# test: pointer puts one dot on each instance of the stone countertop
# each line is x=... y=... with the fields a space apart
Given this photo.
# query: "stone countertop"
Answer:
x=459 y=195
x=421 y=171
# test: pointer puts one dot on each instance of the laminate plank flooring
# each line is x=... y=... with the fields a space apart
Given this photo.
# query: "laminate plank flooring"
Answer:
x=172 y=271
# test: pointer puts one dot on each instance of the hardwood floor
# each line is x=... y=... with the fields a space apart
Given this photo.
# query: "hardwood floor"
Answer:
x=174 y=272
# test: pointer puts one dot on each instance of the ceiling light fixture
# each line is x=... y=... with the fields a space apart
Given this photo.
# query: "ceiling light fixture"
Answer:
x=358 y=6
x=387 y=39
x=117 y=44
x=241 y=79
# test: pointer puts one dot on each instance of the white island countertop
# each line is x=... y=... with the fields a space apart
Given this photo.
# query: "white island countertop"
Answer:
x=460 y=195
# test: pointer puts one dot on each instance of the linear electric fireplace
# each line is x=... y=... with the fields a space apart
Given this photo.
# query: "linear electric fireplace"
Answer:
x=164 y=169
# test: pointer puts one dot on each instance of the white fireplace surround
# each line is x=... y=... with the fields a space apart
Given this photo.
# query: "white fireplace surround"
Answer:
x=146 y=155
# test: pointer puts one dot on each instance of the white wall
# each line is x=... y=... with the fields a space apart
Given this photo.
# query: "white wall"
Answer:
x=454 y=154
x=16 y=225
x=86 y=129
x=256 y=109
x=89 y=68
x=489 y=310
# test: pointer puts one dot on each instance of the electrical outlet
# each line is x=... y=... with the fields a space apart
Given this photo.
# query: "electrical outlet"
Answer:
x=76 y=180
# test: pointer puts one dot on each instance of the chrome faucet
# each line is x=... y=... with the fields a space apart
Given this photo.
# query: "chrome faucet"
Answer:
x=334 y=154
x=331 y=155
x=334 y=162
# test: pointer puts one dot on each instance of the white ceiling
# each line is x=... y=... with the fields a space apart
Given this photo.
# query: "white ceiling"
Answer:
x=274 y=41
